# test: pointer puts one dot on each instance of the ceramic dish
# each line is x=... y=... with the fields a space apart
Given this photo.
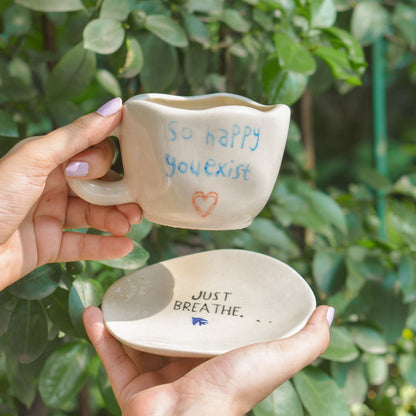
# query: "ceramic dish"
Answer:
x=207 y=303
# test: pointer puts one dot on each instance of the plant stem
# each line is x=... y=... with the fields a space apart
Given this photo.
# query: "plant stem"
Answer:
x=380 y=125
x=83 y=402
x=49 y=38
x=306 y=122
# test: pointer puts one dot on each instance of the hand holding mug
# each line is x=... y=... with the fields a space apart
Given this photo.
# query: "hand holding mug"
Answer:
x=203 y=162
x=37 y=206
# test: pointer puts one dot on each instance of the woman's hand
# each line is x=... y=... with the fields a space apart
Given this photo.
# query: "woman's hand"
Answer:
x=226 y=385
x=36 y=205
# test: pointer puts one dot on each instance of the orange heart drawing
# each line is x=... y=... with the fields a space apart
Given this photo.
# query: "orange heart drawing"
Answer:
x=204 y=204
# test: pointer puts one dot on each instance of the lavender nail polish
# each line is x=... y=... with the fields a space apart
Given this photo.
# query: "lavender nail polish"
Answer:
x=110 y=107
x=330 y=315
x=77 y=169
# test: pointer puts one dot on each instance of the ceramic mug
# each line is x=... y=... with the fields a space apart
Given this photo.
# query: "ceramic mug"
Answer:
x=206 y=162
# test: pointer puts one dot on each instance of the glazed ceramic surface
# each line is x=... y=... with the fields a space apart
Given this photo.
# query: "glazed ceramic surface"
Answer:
x=207 y=303
x=203 y=162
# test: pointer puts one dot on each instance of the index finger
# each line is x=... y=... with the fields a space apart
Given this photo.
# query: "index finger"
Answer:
x=60 y=145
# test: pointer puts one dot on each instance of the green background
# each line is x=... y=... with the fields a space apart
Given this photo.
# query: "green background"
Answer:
x=342 y=212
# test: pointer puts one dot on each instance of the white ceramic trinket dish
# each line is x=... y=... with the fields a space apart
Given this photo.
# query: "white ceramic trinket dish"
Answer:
x=205 y=304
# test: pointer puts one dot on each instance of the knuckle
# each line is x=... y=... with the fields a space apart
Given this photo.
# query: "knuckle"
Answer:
x=80 y=124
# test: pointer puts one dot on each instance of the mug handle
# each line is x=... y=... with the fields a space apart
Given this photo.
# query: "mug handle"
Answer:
x=100 y=192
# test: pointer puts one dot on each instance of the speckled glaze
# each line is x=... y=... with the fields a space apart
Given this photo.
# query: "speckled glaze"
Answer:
x=207 y=303
x=202 y=162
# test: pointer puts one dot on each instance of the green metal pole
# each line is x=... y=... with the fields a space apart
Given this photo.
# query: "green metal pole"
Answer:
x=380 y=124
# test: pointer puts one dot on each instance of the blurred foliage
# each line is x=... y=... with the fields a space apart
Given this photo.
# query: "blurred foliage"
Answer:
x=61 y=59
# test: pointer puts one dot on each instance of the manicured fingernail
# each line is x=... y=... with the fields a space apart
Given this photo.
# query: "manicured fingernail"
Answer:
x=77 y=169
x=110 y=107
x=330 y=315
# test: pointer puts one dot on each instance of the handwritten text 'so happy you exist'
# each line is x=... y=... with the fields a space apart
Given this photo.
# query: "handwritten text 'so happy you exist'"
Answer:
x=238 y=138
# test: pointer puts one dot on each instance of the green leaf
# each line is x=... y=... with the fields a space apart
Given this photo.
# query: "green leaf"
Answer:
x=339 y=64
x=108 y=82
x=364 y=264
x=196 y=29
x=355 y=52
x=4 y=320
x=23 y=380
x=52 y=5
x=72 y=74
x=282 y=86
x=407 y=277
x=38 y=284
x=17 y=20
x=265 y=20
x=64 y=112
x=64 y=374
x=75 y=267
x=388 y=311
x=8 y=406
x=406 y=185
x=296 y=209
x=319 y=393
x=57 y=310
x=7 y=301
x=160 y=65
x=328 y=209
x=84 y=293
x=205 y=6
x=293 y=56
x=104 y=36
x=341 y=347
x=351 y=378
x=196 y=64
x=369 y=21
x=328 y=270
x=16 y=89
x=235 y=238
x=323 y=13
x=116 y=9
x=402 y=223
x=133 y=261
x=137 y=19
x=368 y=339
x=167 y=29
x=107 y=392
x=27 y=331
x=134 y=60
x=234 y=19
x=404 y=19
x=374 y=179
x=266 y=232
x=377 y=369
x=407 y=367
x=140 y=231
x=284 y=401
x=8 y=127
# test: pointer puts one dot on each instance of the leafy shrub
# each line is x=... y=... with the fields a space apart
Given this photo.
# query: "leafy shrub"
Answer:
x=63 y=59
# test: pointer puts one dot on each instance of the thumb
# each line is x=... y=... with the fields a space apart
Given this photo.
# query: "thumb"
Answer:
x=51 y=150
x=24 y=170
x=277 y=361
x=247 y=375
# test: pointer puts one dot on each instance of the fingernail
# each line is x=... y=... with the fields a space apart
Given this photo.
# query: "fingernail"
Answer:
x=110 y=107
x=77 y=169
x=330 y=315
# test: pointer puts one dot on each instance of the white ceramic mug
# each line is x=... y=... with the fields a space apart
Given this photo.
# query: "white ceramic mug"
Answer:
x=206 y=162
